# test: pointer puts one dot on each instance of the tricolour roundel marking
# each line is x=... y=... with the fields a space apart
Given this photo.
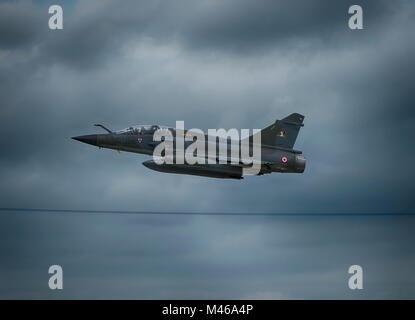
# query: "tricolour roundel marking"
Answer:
x=284 y=159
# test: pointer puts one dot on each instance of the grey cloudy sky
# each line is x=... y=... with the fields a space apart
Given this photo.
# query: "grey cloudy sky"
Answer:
x=230 y=64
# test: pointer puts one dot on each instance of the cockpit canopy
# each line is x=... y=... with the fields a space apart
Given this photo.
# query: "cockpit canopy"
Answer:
x=143 y=129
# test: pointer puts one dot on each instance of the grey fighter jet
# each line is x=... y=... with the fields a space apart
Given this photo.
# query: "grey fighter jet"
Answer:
x=277 y=153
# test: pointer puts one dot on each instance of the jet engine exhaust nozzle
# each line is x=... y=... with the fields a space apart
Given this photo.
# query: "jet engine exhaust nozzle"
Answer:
x=300 y=163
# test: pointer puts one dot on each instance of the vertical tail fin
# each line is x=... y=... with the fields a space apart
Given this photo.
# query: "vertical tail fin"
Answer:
x=284 y=132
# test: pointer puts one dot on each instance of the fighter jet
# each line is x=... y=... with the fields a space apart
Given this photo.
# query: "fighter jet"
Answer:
x=277 y=153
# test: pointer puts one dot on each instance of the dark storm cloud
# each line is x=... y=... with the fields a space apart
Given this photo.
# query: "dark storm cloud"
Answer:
x=212 y=64
x=206 y=257
x=245 y=26
x=20 y=24
x=97 y=30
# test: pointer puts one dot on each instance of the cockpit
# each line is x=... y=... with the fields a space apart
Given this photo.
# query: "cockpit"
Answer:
x=142 y=130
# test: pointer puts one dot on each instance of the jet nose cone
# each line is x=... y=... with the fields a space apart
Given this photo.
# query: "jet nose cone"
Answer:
x=90 y=139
